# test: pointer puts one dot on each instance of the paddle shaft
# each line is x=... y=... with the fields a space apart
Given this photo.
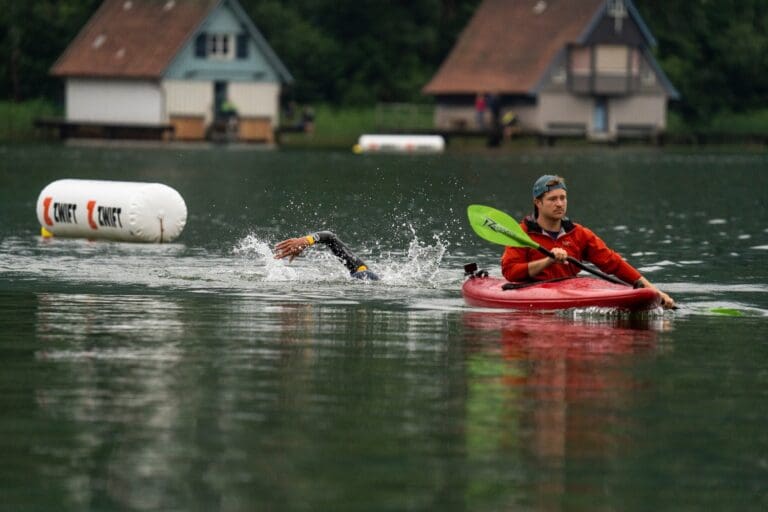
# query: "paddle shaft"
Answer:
x=582 y=266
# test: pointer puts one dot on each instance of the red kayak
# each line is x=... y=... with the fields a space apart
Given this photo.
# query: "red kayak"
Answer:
x=576 y=292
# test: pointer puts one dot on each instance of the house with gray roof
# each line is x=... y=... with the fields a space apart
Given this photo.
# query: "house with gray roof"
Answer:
x=182 y=64
x=563 y=67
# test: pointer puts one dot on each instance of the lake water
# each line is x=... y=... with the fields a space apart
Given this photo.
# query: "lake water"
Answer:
x=205 y=375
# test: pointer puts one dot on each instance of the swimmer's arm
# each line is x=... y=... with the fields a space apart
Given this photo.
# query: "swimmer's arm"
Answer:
x=292 y=247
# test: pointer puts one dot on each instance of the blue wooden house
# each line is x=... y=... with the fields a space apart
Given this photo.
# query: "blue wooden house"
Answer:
x=181 y=64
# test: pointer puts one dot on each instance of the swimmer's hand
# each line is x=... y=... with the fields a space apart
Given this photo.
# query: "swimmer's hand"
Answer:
x=290 y=248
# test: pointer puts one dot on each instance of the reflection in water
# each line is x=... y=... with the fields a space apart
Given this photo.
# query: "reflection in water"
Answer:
x=248 y=399
x=116 y=384
x=205 y=375
x=552 y=389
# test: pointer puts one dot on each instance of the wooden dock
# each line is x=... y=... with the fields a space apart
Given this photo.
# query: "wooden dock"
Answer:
x=64 y=129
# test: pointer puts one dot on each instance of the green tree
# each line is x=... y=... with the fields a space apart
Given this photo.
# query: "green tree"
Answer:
x=364 y=51
x=32 y=36
x=361 y=51
x=716 y=53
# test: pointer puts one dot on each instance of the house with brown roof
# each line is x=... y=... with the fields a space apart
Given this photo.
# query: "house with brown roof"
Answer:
x=562 y=67
x=189 y=65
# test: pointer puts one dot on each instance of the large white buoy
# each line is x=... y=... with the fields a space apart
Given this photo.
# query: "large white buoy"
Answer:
x=400 y=143
x=113 y=210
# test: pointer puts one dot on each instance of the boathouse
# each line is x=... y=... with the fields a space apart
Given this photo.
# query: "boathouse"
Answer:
x=560 y=67
x=180 y=69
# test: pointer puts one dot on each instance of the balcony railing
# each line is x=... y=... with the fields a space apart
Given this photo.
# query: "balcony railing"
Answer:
x=604 y=84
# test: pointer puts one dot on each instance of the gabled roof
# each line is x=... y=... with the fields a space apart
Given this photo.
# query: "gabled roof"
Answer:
x=509 y=44
x=132 y=38
x=139 y=38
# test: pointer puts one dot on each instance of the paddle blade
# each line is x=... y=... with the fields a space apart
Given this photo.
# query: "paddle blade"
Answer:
x=498 y=227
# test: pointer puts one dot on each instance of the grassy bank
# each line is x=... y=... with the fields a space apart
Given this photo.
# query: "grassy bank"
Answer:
x=17 y=119
x=333 y=127
x=728 y=123
x=341 y=127
x=755 y=122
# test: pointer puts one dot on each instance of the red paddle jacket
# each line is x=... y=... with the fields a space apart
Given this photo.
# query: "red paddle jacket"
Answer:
x=579 y=242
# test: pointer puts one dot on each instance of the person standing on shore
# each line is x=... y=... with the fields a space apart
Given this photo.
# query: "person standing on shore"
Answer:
x=480 y=111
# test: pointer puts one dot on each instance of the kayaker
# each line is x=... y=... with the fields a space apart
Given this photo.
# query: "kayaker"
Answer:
x=292 y=247
x=550 y=228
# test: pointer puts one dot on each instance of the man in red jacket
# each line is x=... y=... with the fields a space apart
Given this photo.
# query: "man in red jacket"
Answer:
x=551 y=229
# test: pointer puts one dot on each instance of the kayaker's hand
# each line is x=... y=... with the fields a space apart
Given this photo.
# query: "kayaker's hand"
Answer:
x=666 y=301
x=560 y=256
x=536 y=266
x=291 y=248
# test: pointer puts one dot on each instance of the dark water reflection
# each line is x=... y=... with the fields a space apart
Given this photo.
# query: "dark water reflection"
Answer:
x=557 y=391
x=203 y=375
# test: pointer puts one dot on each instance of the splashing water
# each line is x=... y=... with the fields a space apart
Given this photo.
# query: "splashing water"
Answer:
x=419 y=266
x=259 y=257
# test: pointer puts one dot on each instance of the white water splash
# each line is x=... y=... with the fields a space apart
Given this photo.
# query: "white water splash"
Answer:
x=262 y=263
x=419 y=266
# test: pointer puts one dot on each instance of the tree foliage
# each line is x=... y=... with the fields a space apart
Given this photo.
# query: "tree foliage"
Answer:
x=352 y=52
x=32 y=36
x=714 y=52
x=361 y=51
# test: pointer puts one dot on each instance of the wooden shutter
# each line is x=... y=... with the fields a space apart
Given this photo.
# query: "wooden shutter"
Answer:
x=242 y=46
x=200 y=44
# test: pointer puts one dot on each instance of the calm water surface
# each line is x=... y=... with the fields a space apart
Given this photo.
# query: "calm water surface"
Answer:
x=204 y=375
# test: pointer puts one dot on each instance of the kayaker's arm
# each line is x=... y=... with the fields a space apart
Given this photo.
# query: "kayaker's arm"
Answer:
x=666 y=301
x=536 y=266
x=611 y=262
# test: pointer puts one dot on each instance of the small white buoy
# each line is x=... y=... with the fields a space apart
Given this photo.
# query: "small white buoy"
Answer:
x=400 y=143
x=112 y=210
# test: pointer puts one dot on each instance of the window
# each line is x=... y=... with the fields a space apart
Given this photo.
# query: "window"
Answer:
x=612 y=59
x=581 y=60
x=221 y=46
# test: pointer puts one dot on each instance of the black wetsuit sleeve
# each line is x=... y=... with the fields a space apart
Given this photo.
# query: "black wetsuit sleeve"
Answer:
x=339 y=249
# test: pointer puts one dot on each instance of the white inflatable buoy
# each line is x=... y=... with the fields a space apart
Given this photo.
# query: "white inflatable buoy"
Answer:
x=113 y=210
x=400 y=143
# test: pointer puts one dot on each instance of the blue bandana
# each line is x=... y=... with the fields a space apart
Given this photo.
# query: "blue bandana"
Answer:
x=541 y=185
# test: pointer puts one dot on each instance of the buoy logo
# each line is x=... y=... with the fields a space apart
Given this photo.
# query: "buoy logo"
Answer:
x=106 y=216
x=110 y=216
x=90 y=206
x=63 y=213
x=46 y=205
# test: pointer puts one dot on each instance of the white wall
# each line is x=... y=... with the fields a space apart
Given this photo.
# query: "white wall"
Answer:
x=189 y=98
x=195 y=98
x=639 y=110
x=564 y=108
x=114 y=101
x=256 y=99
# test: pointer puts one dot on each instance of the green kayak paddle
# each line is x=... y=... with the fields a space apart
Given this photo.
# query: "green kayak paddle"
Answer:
x=498 y=227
